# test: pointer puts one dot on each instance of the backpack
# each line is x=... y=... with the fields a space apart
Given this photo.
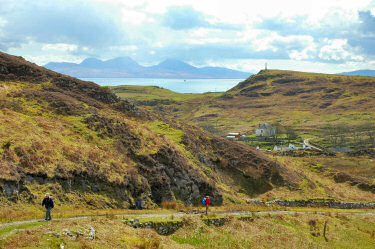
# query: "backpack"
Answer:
x=204 y=201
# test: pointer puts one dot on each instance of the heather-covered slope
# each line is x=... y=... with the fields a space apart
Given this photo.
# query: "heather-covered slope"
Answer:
x=89 y=148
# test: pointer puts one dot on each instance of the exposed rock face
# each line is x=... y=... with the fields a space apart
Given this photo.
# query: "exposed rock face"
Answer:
x=170 y=177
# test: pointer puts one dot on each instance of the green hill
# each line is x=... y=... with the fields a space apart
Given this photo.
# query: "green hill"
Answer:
x=308 y=102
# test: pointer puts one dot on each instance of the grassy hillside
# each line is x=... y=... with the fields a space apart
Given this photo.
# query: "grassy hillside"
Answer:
x=175 y=105
x=297 y=100
x=304 y=100
x=90 y=149
x=314 y=104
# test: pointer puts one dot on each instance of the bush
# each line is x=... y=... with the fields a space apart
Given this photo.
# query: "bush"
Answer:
x=169 y=205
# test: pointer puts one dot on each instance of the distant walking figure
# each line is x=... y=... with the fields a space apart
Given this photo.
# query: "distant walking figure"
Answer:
x=48 y=203
x=206 y=202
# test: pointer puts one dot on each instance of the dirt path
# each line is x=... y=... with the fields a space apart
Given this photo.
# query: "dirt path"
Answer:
x=181 y=214
x=306 y=142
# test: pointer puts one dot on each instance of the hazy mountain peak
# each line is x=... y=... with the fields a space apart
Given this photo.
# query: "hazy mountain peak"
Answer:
x=125 y=66
x=362 y=72
x=121 y=58
x=175 y=64
x=122 y=61
x=91 y=62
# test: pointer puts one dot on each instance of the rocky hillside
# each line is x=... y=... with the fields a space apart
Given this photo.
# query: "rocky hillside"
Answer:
x=87 y=147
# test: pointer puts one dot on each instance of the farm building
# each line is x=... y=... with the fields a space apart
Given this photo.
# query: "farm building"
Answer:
x=265 y=130
x=234 y=135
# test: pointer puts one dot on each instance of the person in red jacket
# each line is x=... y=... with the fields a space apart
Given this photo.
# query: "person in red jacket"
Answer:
x=207 y=203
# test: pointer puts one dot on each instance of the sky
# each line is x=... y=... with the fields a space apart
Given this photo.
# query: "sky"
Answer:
x=328 y=36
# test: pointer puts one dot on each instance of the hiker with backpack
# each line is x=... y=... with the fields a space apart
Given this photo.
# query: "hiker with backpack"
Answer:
x=206 y=202
x=48 y=203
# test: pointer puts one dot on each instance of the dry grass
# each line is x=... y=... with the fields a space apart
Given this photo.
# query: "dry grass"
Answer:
x=23 y=239
x=315 y=183
x=261 y=231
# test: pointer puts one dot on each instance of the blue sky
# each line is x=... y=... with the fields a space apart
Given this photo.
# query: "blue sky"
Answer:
x=318 y=36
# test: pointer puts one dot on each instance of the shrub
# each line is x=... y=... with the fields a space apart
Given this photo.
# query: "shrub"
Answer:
x=149 y=241
x=168 y=204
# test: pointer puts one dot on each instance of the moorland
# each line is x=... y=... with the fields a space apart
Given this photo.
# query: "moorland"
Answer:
x=100 y=151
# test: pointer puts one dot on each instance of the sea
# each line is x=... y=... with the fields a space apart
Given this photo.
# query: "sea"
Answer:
x=176 y=85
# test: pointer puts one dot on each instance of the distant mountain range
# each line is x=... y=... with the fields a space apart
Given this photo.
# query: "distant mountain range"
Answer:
x=366 y=72
x=125 y=67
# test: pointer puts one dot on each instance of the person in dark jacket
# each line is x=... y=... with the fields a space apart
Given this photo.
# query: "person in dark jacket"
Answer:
x=48 y=204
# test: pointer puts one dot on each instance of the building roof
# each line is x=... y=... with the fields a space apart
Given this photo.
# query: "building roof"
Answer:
x=265 y=126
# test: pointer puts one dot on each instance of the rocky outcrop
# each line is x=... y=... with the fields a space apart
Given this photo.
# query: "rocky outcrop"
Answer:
x=362 y=152
x=120 y=195
x=215 y=221
x=161 y=227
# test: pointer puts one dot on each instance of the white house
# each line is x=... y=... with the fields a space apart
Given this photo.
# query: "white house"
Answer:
x=291 y=147
x=265 y=130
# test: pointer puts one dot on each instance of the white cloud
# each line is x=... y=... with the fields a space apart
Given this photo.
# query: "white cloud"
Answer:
x=305 y=54
x=44 y=59
x=134 y=17
x=337 y=50
x=203 y=41
x=124 y=48
x=59 y=47
x=3 y=22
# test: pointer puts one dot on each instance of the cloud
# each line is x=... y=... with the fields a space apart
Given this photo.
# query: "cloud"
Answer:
x=364 y=34
x=59 y=47
x=60 y=22
x=330 y=32
x=339 y=35
x=186 y=17
x=367 y=20
x=199 y=53
x=285 y=26
x=338 y=50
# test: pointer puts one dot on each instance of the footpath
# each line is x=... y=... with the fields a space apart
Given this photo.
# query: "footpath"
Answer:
x=191 y=213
